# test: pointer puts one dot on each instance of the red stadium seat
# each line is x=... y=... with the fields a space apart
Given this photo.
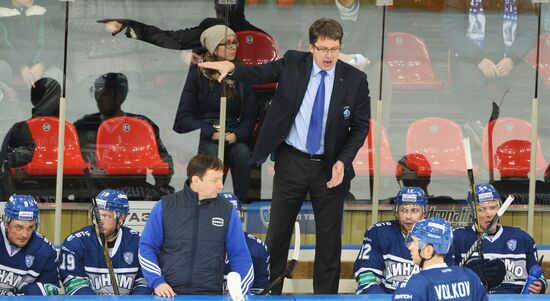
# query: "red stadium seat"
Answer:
x=128 y=146
x=544 y=59
x=364 y=160
x=409 y=64
x=257 y=48
x=504 y=131
x=44 y=131
x=440 y=140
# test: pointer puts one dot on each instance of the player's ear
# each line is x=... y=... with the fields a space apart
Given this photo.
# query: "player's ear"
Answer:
x=121 y=219
x=429 y=249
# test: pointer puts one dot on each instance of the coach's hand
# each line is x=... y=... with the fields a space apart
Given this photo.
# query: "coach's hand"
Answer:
x=337 y=174
x=164 y=290
x=223 y=67
x=490 y=272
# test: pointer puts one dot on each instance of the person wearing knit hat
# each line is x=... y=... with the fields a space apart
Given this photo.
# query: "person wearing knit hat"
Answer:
x=199 y=108
x=213 y=36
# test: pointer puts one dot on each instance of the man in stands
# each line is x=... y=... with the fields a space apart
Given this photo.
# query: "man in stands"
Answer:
x=28 y=264
x=19 y=145
x=188 y=38
x=82 y=264
x=110 y=91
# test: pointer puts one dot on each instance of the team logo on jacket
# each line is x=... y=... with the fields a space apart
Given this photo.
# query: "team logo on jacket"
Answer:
x=512 y=243
x=126 y=127
x=347 y=112
x=217 y=221
x=46 y=127
x=128 y=257
x=29 y=259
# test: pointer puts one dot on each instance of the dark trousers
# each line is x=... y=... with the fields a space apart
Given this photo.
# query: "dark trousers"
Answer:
x=237 y=157
x=295 y=176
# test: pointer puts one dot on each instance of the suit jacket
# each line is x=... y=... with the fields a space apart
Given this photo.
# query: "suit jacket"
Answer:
x=348 y=115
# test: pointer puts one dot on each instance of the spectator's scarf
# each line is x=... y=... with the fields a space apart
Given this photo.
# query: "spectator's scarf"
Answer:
x=212 y=76
x=476 y=28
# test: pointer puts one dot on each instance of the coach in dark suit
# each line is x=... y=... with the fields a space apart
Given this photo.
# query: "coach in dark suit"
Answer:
x=316 y=123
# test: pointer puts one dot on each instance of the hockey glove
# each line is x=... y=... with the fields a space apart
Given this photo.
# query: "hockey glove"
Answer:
x=491 y=272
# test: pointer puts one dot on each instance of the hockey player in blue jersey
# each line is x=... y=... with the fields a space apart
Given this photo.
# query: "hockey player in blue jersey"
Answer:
x=384 y=261
x=512 y=245
x=428 y=242
x=256 y=247
x=27 y=260
x=82 y=266
x=189 y=233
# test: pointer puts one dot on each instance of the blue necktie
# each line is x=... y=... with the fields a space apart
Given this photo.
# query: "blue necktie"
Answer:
x=315 y=130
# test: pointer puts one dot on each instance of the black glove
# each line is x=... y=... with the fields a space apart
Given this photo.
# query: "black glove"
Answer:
x=20 y=156
x=124 y=23
x=491 y=272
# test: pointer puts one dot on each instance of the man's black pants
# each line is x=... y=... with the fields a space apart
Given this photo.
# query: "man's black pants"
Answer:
x=295 y=176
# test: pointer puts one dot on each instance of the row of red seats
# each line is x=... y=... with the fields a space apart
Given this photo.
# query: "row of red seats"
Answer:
x=125 y=146
x=440 y=140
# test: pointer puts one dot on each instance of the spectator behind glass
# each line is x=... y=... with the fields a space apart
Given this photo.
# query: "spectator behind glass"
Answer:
x=489 y=40
x=183 y=39
x=18 y=146
x=199 y=108
x=110 y=91
x=26 y=51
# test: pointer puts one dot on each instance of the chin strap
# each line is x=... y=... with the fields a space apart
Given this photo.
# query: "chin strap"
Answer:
x=422 y=259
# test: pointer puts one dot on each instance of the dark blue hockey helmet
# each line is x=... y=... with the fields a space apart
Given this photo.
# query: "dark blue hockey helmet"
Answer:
x=411 y=195
x=233 y=199
x=113 y=200
x=485 y=193
x=434 y=231
x=21 y=207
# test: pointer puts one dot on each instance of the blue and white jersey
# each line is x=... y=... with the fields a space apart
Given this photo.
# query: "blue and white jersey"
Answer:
x=83 y=270
x=31 y=270
x=260 y=261
x=384 y=261
x=514 y=246
x=440 y=282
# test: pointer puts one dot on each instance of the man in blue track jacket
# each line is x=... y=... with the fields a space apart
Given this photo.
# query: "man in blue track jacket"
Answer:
x=188 y=234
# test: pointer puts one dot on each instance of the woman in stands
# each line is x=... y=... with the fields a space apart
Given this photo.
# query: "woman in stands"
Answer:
x=199 y=108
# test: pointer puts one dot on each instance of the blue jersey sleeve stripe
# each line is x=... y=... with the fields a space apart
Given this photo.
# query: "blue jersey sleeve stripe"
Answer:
x=41 y=287
x=149 y=266
x=248 y=279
